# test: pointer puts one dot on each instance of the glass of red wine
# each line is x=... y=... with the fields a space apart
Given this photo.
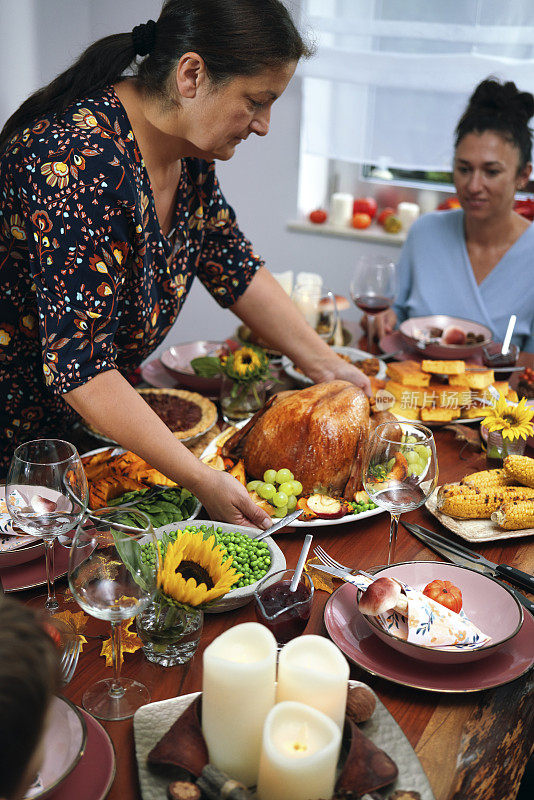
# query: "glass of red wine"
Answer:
x=285 y=613
x=372 y=288
x=400 y=470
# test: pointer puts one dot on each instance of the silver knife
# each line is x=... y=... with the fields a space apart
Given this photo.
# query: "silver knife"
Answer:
x=465 y=558
x=348 y=577
x=511 y=574
x=280 y=524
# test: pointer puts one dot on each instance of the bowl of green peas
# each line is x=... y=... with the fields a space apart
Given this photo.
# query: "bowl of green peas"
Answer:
x=253 y=559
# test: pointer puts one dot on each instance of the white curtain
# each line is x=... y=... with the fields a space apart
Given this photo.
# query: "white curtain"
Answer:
x=391 y=77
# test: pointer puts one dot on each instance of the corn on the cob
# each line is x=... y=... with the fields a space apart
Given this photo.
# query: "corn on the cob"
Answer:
x=449 y=489
x=521 y=468
x=477 y=504
x=488 y=478
x=515 y=515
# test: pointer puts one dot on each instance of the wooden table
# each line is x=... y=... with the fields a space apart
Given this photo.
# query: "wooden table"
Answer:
x=471 y=746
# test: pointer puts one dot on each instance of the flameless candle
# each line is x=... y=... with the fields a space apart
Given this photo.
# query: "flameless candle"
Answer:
x=306 y=298
x=407 y=213
x=299 y=754
x=341 y=208
x=312 y=670
x=238 y=691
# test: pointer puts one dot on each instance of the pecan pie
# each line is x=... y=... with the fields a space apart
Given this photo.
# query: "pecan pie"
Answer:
x=187 y=414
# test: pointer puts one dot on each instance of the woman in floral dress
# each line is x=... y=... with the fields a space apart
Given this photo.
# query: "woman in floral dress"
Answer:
x=109 y=208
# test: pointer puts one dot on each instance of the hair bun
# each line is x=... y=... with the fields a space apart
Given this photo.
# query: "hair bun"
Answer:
x=491 y=95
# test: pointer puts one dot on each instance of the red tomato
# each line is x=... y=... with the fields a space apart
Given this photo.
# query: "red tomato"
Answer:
x=318 y=216
x=445 y=593
x=384 y=214
x=365 y=205
x=361 y=221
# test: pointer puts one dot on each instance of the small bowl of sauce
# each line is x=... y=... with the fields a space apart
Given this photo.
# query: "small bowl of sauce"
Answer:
x=493 y=357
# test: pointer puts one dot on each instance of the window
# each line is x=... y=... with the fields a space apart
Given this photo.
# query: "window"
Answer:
x=391 y=78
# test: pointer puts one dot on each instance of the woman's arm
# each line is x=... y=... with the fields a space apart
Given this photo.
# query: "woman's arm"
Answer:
x=114 y=407
x=268 y=310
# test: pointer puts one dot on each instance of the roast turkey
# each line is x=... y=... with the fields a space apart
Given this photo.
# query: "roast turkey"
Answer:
x=318 y=433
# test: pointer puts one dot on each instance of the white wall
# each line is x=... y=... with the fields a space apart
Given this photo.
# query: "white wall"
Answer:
x=39 y=38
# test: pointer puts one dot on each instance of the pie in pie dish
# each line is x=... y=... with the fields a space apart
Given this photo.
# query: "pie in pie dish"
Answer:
x=187 y=414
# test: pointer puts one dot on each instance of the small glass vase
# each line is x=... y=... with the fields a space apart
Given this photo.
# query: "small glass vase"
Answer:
x=240 y=401
x=497 y=448
x=170 y=634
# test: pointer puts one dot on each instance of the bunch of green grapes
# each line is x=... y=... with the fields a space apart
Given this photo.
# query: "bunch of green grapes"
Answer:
x=279 y=488
x=416 y=455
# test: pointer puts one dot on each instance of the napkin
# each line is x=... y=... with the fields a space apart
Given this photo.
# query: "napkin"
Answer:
x=9 y=538
x=428 y=623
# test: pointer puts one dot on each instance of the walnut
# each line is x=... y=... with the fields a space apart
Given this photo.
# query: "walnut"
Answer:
x=361 y=703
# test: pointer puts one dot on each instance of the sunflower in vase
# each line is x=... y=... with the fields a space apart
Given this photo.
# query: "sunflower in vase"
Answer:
x=508 y=426
x=244 y=373
x=194 y=572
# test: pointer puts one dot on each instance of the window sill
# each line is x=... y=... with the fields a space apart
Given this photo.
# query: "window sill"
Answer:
x=372 y=234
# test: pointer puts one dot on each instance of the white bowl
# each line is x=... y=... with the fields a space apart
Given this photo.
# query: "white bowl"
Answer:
x=237 y=597
x=489 y=606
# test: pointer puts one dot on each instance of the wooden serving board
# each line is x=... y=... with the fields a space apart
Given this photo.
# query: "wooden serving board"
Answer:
x=474 y=530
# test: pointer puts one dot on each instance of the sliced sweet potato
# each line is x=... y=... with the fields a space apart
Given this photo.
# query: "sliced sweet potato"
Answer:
x=263 y=504
x=307 y=513
x=238 y=471
x=106 y=489
x=154 y=477
x=215 y=462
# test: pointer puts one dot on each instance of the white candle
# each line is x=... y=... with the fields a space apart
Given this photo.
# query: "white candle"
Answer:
x=306 y=298
x=407 y=213
x=238 y=691
x=299 y=754
x=312 y=670
x=341 y=205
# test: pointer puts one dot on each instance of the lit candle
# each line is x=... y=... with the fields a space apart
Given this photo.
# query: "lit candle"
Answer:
x=238 y=691
x=407 y=213
x=341 y=205
x=312 y=670
x=299 y=754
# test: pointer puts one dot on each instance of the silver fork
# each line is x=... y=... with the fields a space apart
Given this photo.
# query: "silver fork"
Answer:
x=69 y=660
x=328 y=561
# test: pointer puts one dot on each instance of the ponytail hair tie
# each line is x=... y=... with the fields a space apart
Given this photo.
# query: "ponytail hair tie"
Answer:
x=144 y=38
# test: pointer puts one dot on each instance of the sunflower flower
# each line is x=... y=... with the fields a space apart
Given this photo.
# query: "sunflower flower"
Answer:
x=513 y=421
x=244 y=366
x=195 y=572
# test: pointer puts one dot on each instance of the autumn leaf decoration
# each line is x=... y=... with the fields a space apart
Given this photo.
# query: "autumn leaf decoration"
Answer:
x=130 y=642
x=72 y=623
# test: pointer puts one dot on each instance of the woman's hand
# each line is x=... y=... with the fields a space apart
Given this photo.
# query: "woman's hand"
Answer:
x=227 y=500
x=384 y=323
x=333 y=368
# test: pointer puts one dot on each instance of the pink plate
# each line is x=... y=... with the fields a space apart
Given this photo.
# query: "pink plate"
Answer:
x=489 y=606
x=155 y=374
x=349 y=630
x=412 y=329
x=92 y=777
x=177 y=360
x=33 y=573
x=64 y=744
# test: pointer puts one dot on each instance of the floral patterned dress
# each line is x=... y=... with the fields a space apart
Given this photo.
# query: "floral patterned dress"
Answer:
x=88 y=281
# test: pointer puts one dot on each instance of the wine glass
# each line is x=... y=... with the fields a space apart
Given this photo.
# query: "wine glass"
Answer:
x=318 y=307
x=372 y=288
x=400 y=470
x=111 y=579
x=46 y=496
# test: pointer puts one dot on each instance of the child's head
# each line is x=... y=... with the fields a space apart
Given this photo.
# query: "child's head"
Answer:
x=28 y=679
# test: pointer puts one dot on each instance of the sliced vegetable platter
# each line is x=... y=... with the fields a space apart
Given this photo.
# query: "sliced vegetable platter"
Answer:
x=174 y=504
x=212 y=450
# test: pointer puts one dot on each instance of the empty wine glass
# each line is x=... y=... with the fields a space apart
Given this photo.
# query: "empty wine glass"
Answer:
x=46 y=496
x=372 y=288
x=111 y=579
x=318 y=307
x=400 y=470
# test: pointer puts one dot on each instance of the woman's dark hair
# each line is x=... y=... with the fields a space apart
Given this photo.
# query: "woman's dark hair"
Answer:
x=234 y=37
x=502 y=108
x=28 y=680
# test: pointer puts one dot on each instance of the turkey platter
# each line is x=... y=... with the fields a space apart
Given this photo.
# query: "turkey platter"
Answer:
x=319 y=433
